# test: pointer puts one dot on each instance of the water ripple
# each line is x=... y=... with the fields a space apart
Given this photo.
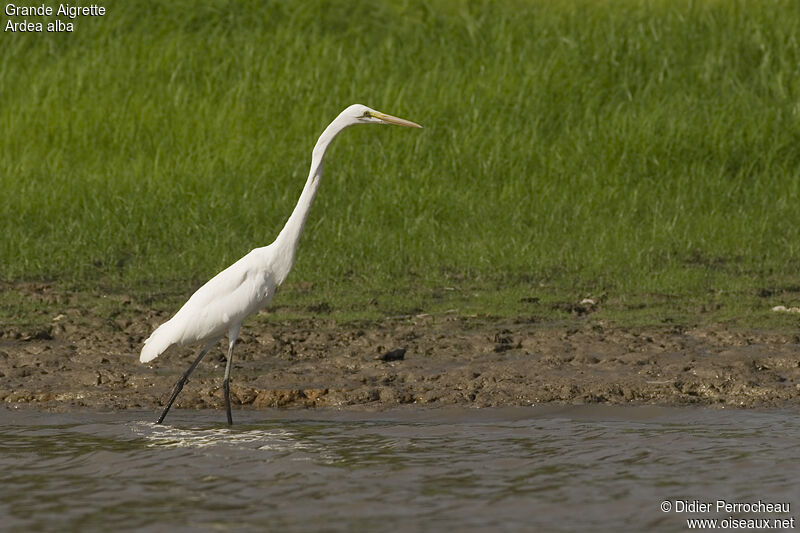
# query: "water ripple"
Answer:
x=468 y=470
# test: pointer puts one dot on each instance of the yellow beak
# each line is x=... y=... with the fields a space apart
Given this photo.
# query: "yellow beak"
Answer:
x=395 y=120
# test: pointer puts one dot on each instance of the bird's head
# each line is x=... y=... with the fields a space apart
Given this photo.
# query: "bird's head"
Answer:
x=361 y=114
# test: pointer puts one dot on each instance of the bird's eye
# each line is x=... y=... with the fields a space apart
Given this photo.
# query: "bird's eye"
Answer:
x=366 y=114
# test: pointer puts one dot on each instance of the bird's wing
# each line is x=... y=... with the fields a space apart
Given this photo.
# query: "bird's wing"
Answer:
x=225 y=300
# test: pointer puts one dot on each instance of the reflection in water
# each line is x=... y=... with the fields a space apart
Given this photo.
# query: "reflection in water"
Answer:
x=555 y=469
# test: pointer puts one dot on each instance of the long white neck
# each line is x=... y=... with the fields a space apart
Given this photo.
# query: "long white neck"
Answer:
x=286 y=242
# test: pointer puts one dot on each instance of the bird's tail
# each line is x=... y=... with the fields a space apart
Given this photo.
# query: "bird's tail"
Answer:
x=157 y=343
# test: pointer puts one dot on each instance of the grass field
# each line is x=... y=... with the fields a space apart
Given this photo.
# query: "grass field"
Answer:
x=644 y=153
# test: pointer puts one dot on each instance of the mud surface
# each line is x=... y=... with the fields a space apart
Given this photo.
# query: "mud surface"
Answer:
x=83 y=359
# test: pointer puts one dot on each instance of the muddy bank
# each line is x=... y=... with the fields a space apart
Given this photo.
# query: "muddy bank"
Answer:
x=86 y=360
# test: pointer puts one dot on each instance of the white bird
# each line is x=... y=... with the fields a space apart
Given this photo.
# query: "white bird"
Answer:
x=220 y=306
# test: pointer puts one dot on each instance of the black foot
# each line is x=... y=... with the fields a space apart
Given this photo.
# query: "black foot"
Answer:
x=226 y=388
x=178 y=388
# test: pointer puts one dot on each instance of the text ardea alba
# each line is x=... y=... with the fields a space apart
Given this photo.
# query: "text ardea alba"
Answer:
x=220 y=306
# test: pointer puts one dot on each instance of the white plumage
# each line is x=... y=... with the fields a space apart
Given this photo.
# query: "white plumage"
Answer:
x=225 y=300
x=219 y=307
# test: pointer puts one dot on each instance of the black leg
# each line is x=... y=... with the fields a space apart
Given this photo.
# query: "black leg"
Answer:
x=182 y=381
x=226 y=388
x=226 y=382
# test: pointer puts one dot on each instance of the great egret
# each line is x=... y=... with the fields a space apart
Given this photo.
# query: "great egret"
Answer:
x=221 y=305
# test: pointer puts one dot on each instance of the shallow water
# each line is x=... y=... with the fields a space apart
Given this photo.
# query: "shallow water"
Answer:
x=515 y=469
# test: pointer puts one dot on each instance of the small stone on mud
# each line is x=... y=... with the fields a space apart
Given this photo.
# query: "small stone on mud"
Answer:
x=40 y=335
x=398 y=354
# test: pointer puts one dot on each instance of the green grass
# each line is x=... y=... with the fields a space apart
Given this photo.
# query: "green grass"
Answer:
x=644 y=152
